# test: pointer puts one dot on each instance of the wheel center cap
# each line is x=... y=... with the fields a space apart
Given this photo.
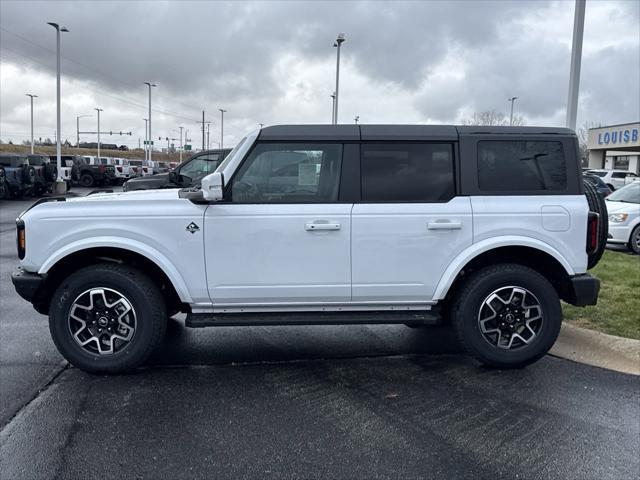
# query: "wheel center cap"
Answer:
x=509 y=317
x=102 y=321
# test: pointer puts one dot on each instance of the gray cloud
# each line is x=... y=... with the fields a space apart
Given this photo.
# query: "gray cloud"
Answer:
x=445 y=58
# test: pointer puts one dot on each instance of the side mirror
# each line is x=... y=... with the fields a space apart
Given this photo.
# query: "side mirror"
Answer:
x=174 y=178
x=213 y=187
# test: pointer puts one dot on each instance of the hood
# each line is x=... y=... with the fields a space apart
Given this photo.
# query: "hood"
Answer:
x=160 y=178
x=615 y=207
x=137 y=195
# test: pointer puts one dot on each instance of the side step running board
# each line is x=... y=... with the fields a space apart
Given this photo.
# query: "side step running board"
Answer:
x=413 y=317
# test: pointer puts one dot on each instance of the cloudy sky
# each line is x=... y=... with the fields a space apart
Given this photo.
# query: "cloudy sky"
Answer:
x=273 y=62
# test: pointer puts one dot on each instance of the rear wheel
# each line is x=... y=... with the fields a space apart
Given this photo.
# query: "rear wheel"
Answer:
x=507 y=315
x=107 y=318
x=86 y=180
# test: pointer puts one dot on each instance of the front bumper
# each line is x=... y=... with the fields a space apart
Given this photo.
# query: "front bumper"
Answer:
x=582 y=290
x=619 y=233
x=27 y=284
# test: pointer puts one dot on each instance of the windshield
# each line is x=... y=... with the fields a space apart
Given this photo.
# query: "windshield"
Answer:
x=594 y=172
x=629 y=194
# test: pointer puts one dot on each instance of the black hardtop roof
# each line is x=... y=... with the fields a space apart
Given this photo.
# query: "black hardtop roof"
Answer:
x=395 y=132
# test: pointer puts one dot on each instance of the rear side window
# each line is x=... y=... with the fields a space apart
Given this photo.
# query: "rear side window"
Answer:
x=509 y=165
x=397 y=172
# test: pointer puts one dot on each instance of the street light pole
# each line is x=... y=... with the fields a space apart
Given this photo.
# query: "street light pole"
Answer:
x=357 y=117
x=576 y=58
x=61 y=187
x=333 y=108
x=222 y=112
x=98 y=110
x=208 y=125
x=337 y=44
x=181 y=146
x=512 y=100
x=146 y=139
x=32 y=97
x=78 y=117
x=150 y=146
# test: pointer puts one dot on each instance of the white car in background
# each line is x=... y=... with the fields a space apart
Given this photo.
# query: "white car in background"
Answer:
x=614 y=178
x=139 y=168
x=624 y=216
x=123 y=171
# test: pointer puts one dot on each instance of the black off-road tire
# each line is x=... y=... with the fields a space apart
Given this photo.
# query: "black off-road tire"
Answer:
x=86 y=180
x=145 y=298
x=597 y=205
x=477 y=287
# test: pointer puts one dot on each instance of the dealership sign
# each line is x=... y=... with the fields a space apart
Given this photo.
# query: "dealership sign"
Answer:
x=617 y=136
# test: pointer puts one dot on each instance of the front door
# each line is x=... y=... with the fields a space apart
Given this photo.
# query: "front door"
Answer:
x=281 y=237
x=410 y=223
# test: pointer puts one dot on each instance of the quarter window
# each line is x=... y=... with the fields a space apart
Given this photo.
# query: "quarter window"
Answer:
x=289 y=173
x=407 y=172
x=509 y=165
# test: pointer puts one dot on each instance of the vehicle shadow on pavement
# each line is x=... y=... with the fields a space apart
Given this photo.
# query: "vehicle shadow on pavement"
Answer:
x=224 y=345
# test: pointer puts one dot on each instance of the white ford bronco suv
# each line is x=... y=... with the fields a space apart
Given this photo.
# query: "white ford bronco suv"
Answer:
x=487 y=228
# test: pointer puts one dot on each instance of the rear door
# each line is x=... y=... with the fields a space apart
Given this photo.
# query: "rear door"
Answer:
x=409 y=225
x=282 y=237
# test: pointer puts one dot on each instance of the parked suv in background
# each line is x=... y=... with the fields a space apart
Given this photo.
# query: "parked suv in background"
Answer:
x=613 y=178
x=46 y=173
x=484 y=227
x=623 y=206
x=20 y=177
x=96 y=171
x=185 y=174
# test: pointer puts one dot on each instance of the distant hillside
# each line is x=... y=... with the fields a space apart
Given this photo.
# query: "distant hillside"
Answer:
x=139 y=154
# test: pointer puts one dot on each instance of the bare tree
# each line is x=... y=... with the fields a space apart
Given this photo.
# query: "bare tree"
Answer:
x=583 y=140
x=492 y=117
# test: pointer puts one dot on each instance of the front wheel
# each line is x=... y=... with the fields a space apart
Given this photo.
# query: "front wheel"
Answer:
x=507 y=315
x=86 y=180
x=107 y=318
x=634 y=240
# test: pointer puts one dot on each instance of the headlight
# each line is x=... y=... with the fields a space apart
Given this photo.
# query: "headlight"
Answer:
x=618 y=217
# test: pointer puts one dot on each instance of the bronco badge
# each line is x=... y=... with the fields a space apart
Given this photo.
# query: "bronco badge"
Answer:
x=192 y=228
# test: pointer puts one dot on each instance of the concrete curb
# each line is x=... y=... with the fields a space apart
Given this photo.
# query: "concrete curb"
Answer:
x=598 y=349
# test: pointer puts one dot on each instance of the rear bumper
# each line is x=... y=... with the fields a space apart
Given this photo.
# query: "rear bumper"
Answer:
x=27 y=284
x=582 y=290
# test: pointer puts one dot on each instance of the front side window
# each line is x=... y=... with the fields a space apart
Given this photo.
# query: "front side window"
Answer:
x=407 y=172
x=196 y=169
x=511 y=165
x=289 y=173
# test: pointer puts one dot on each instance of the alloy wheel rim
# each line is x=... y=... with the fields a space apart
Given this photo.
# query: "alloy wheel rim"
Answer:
x=510 y=318
x=102 y=321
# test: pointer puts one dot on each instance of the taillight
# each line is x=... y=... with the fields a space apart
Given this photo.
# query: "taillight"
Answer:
x=119 y=169
x=593 y=224
x=20 y=239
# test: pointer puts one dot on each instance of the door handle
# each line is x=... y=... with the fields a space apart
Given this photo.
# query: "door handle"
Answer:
x=321 y=226
x=444 y=225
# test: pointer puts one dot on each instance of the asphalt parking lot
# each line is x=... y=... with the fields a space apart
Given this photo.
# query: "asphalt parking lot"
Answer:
x=303 y=402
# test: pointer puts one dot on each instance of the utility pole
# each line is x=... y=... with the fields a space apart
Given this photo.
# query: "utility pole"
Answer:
x=98 y=110
x=512 y=100
x=203 y=122
x=181 y=146
x=146 y=139
x=61 y=186
x=32 y=97
x=357 y=117
x=576 y=59
x=78 y=117
x=261 y=125
x=222 y=112
x=208 y=125
x=337 y=44
x=150 y=146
